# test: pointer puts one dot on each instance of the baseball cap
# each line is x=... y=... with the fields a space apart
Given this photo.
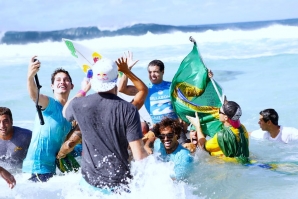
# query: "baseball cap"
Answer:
x=105 y=74
x=233 y=111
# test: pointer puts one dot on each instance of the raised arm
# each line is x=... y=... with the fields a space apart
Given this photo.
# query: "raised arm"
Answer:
x=126 y=89
x=33 y=68
x=123 y=87
x=142 y=89
x=200 y=136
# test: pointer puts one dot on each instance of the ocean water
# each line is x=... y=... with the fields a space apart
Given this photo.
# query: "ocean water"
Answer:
x=255 y=63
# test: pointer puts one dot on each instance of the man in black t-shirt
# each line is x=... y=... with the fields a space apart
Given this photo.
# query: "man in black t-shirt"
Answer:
x=108 y=125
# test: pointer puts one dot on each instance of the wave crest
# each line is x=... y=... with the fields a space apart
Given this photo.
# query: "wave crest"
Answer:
x=83 y=33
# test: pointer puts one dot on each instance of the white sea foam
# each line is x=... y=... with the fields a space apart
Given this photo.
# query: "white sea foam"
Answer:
x=269 y=41
x=256 y=68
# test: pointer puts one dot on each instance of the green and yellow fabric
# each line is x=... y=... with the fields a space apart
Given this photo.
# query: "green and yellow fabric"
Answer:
x=230 y=143
x=192 y=91
x=67 y=164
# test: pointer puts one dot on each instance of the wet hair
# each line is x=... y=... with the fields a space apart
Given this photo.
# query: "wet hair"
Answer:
x=59 y=70
x=157 y=63
x=174 y=124
x=270 y=114
x=6 y=111
x=232 y=110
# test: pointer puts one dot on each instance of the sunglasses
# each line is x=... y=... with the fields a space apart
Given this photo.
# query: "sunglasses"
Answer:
x=169 y=136
x=220 y=112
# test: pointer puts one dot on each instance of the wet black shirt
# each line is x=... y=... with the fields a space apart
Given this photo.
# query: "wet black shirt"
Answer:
x=108 y=124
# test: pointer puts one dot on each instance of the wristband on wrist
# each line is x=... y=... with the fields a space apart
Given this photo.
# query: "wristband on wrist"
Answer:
x=83 y=93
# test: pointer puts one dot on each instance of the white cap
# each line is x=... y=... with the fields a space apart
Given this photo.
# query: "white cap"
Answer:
x=105 y=74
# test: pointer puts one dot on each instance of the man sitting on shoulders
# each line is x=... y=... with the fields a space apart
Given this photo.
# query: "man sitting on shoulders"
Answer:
x=270 y=130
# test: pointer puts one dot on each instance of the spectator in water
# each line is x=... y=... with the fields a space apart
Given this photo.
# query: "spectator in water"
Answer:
x=48 y=138
x=168 y=131
x=271 y=130
x=14 y=141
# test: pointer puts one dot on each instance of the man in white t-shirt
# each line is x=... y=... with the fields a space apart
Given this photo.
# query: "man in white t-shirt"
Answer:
x=270 y=129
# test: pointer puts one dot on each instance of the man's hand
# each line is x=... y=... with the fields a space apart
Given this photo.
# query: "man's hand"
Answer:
x=130 y=61
x=33 y=67
x=190 y=146
x=148 y=140
x=210 y=73
x=7 y=177
x=194 y=120
x=122 y=64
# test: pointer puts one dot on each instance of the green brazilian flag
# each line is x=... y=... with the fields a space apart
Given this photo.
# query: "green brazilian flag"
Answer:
x=193 y=91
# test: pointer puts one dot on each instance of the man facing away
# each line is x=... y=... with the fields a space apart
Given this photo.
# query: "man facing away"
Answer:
x=14 y=141
x=270 y=130
x=138 y=101
x=168 y=131
x=48 y=138
x=108 y=125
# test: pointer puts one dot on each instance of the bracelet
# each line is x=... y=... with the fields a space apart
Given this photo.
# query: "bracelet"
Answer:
x=83 y=93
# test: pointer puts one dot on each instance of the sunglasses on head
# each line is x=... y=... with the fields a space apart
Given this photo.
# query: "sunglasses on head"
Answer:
x=169 y=136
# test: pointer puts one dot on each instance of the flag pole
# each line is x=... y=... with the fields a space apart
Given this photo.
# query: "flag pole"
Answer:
x=213 y=83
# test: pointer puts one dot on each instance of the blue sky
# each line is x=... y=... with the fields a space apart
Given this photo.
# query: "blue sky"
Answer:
x=112 y=14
